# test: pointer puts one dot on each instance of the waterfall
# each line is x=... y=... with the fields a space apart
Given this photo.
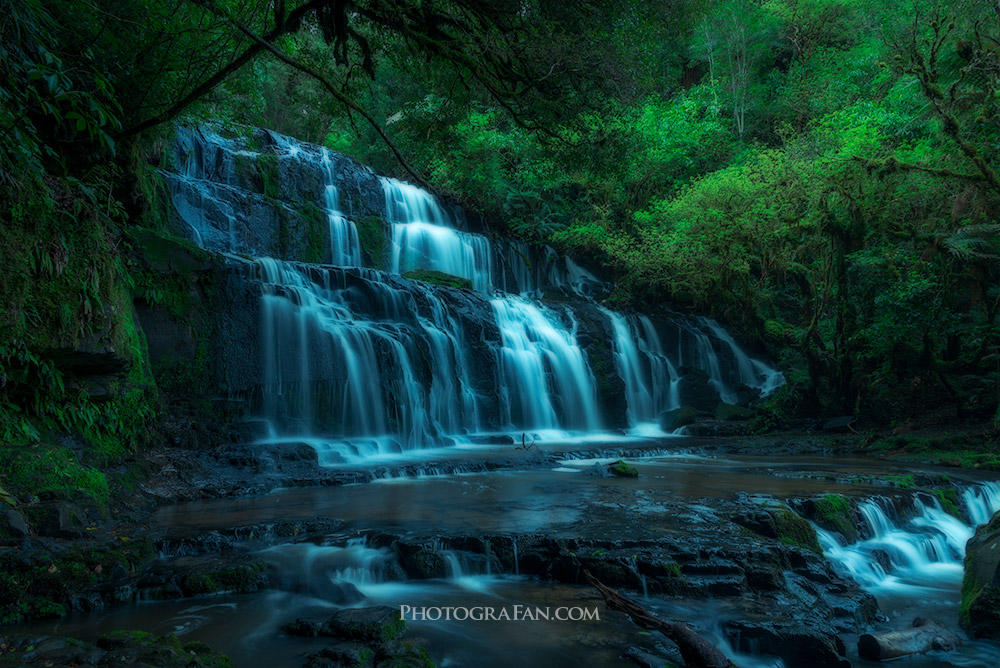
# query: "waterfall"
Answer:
x=547 y=383
x=925 y=550
x=358 y=361
x=344 y=243
x=651 y=380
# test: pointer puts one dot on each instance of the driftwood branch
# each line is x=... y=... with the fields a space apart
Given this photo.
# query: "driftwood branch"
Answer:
x=696 y=651
x=924 y=636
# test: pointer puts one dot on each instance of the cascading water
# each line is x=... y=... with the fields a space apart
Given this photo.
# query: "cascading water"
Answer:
x=344 y=242
x=546 y=381
x=651 y=380
x=357 y=361
x=926 y=550
x=913 y=564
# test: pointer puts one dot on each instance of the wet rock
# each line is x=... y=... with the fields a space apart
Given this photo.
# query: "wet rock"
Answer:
x=599 y=470
x=342 y=655
x=303 y=628
x=645 y=659
x=728 y=412
x=59 y=519
x=746 y=395
x=677 y=418
x=198 y=576
x=716 y=429
x=980 y=610
x=696 y=390
x=419 y=560
x=783 y=524
x=622 y=469
x=248 y=431
x=119 y=649
x=796 y=642
x=376 y=625
x=12 y=525
x=839 y=425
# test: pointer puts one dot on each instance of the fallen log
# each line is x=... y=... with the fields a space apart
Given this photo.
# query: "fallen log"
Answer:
x=696 y=651
x=924 y=636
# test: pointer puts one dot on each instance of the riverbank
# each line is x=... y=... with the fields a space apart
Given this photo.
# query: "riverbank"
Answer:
x=706 y=520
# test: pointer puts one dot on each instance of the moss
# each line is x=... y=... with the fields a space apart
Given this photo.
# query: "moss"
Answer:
x=794 y=530
x=242 y=578
x=206 y=656
x=41 y=584
x=833 y=512
x=677 y=418
x=30 y=470
x=373 y=234
x=901 y=481
x=315 y=222
x=623 y=469
x=267 y=166
x=439 y=278
x=673 y=569
x=408 y=656
x=729 y=412
x=948 y=498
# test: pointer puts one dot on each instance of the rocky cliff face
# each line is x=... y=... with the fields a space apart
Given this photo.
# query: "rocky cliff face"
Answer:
x=340 y=305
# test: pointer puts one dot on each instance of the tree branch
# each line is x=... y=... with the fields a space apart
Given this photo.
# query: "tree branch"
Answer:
x=340 y=97
x=893 y=165
x=290 y=24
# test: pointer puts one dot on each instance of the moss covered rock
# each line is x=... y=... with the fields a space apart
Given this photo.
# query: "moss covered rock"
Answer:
x=622 y=469
x=727 y=412
x=834 y=513
x=980 y=610
x=677 y=418
x=794 y=530
x=376 y=626
x=439 y=278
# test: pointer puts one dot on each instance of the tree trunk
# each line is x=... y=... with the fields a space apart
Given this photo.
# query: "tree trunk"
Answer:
x=923 y=637
x=697 y=652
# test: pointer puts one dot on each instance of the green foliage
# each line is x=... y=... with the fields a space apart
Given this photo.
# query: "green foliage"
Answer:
x=40 y=585
x=31 y=470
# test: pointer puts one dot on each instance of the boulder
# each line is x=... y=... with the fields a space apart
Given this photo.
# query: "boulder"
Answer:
x=696 y=389
x=622 y=469
x=980 y=610
x=12 y=525
x=677 y=418
x=795 y=642
x=376 y=625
